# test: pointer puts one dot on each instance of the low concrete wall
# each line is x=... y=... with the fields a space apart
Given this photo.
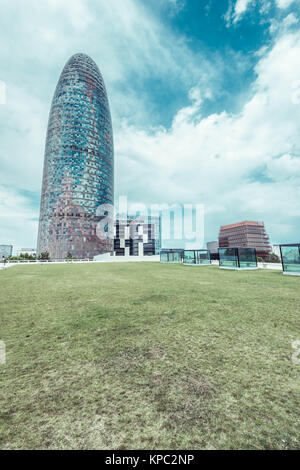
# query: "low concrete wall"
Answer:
x=98 y=259
x=277 y=266
x=125 y=259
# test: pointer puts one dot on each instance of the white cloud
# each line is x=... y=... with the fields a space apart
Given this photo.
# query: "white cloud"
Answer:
x=284 y=168
x=211 y=160
x=290 y=20
x=177 y=5
x=24 y=124
x=128 y=43
x=265 y=6
x=17 y=219
x=282 y=26
x=240 y=7
x=77 y=12
x=284 y=3
x=237 y=10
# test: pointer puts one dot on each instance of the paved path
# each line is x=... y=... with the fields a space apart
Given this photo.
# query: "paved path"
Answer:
x=118 y=259
x=7 y=265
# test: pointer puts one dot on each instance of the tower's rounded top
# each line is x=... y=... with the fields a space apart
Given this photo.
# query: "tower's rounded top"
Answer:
x=87 y=68
x=82 y=59
x=81 y=56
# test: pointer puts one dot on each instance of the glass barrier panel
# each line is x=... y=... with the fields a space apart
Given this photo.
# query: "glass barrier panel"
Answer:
x=247 y=257
x=189 y=257
x=294 y=268
x=228 y=257
x=291 y=258
x=203 y=257
x=164 y=257
x=246 y=264
x=229 y=263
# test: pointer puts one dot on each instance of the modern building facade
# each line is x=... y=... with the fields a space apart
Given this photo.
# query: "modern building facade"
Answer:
x=5 y=251
x=155 y=223
x=78 y=178
x=247 y=234
x=213 y=247
x=135 y=237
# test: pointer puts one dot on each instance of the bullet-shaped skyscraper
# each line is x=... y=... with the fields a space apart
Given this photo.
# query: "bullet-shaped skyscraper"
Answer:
x=78 y=178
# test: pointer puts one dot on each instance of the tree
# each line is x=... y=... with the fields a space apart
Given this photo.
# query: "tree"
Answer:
x=70 y=256
x=272 y=258
x=44 y=256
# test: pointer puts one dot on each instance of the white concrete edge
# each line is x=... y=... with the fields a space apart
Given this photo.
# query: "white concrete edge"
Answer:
x=135 y=259
x=196 y=265
x=233 y=268
x=288 y=273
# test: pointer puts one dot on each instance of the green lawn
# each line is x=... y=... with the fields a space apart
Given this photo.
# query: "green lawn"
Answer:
x=144 y=355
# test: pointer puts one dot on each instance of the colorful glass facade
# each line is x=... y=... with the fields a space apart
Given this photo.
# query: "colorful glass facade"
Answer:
x=78 y=166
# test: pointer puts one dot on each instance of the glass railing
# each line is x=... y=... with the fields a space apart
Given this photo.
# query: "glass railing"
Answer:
x=189 y=257
x=238 y=258
x=170 y=256
x=290 y=258
x=196 y=257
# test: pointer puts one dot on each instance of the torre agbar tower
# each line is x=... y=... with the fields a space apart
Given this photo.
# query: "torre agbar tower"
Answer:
x=78 y=166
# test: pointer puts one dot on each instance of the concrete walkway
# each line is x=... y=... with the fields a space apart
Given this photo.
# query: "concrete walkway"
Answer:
x=122 y=259
x=5 y=266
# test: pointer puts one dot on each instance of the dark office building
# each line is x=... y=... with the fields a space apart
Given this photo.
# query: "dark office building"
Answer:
x=78 y=166
x=135 y=237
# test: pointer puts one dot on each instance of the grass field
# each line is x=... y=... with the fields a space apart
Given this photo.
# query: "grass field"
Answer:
x=151 y=356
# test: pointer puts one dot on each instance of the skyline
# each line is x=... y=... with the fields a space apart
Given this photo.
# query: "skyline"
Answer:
x=205 y=103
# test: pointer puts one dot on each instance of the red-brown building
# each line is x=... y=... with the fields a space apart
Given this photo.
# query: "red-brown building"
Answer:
x=246 y=234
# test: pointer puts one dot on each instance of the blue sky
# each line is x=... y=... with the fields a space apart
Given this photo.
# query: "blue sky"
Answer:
x=205 y=101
